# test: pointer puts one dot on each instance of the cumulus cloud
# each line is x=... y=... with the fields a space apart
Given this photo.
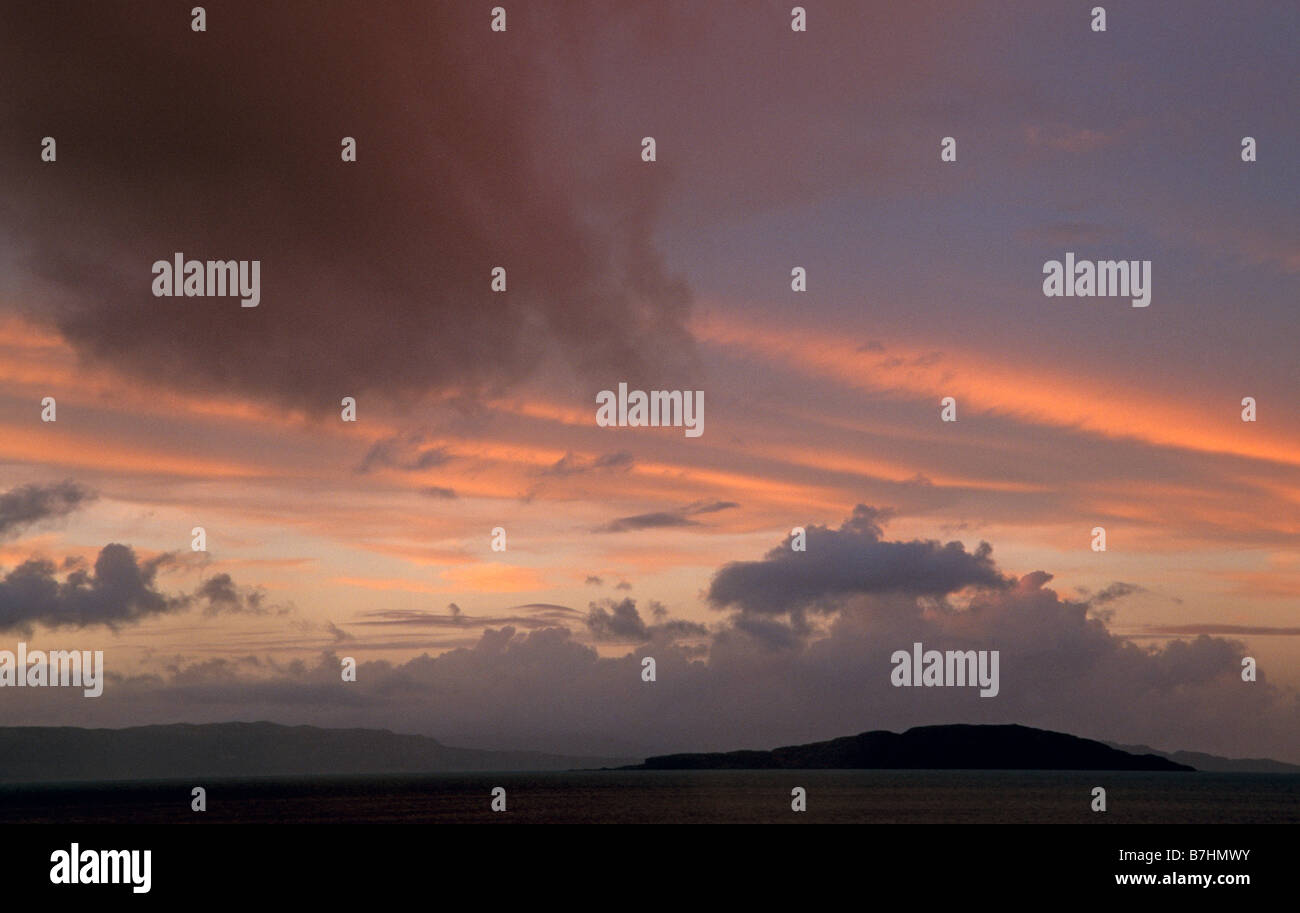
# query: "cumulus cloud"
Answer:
x=616 y=621
x=219 y=595
x=851 y=560
x=120 y=589
x=620 y=620
x=28 y=505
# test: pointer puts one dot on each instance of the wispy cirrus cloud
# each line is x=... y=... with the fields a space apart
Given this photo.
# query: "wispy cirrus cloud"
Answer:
x=666 y=518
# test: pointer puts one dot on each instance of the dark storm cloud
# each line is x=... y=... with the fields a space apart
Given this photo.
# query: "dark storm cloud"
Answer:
x=375 y=275
x=853 y=560
x=27 y=505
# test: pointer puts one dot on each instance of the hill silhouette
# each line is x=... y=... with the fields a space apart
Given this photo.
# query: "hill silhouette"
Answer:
x=1216 y=763
x=35 y=754
x=964 y=747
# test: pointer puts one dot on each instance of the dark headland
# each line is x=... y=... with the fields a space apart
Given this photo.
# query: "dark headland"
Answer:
x=48 y=754
x=956 y=747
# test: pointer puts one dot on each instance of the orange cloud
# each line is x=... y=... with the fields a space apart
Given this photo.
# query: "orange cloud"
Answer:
x=56 y=446
x=984 y=385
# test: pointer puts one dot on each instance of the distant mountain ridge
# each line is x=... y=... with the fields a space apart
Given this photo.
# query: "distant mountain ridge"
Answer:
x=1215 y=763
x=964 y=747
x=36 y=754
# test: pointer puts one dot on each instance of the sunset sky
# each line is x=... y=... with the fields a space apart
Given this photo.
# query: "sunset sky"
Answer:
x=476 y=409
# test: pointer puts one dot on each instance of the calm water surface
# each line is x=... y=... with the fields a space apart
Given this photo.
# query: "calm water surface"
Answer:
x=834 y=796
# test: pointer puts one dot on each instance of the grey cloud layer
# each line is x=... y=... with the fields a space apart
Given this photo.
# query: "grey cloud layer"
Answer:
x=375 y=275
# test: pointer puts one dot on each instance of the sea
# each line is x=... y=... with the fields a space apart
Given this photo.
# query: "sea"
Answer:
x=683 y=797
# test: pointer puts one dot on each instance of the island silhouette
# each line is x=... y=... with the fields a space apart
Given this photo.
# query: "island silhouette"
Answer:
x=951 y=747
x=40 y=754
